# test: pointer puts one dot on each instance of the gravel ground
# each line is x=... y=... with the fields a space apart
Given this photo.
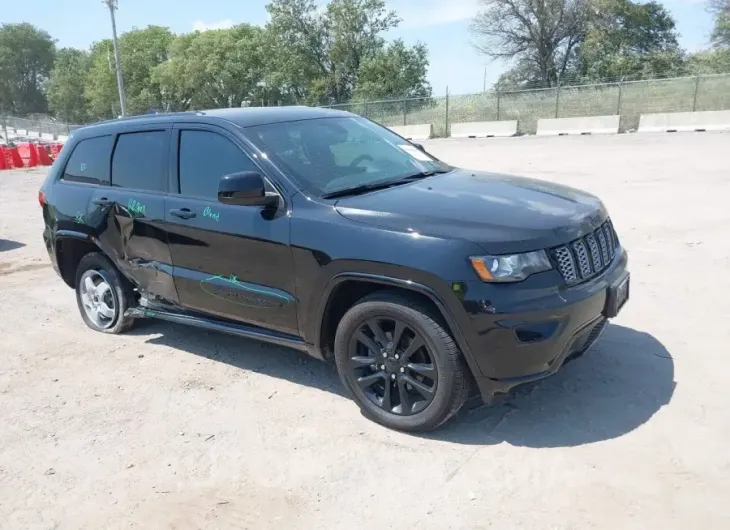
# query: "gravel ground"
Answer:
x=171 y=427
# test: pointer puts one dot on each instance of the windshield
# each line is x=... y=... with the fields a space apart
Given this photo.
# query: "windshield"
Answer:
x=331 y=154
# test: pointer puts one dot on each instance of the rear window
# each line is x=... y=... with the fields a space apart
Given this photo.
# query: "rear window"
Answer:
x=89 y=162
x=140 y=161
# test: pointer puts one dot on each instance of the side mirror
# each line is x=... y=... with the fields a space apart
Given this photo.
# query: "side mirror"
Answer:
x=245 y=189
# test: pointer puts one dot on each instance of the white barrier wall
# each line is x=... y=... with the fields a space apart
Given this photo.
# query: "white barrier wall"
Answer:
x=414 y=132
x=716 y=120
x=47 y=136
x=62 y=138
x=484 y=129
x=581 y=125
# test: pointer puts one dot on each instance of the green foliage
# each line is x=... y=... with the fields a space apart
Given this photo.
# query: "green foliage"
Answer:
x=579 y=41
x=65 y=88
x=26 y=59
x=721 y=29
x=395 y=72
x=141 y=50
x=709 y=62
x=221 y=68
x=628 y=39
x=320 y=52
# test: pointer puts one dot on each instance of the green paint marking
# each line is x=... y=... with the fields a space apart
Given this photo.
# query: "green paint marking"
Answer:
x=79 y=218
x=210 y=213
x=136 y=207
x=233 y=280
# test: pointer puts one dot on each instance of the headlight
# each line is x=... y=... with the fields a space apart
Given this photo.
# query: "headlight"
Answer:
x=510 y=268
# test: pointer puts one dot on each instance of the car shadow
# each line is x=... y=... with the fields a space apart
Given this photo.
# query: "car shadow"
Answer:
x=7 y=244
x=255 y=356
x=614 y=388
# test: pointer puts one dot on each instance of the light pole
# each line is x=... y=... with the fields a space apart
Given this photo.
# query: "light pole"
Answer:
x=113 y=5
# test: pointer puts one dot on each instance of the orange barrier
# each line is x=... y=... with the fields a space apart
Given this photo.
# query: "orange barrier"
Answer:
x=55 y=150
x=12 y=158
x=44 y=158
x=29 y=154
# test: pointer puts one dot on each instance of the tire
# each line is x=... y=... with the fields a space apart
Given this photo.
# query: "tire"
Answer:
x=388 y=371
x=118 y=296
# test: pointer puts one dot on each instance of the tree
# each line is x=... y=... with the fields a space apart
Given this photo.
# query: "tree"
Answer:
x=65 y=88
x=395 y=72
x=629 y=39
x=26 y=59
x=220 y=68
x=141 y=50
x=320 y=52
x=541 y=36
x=709 y=62
x=721 y=31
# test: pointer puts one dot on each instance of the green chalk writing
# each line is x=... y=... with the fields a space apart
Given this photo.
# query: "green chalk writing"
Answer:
x=210 y=213
x=136 y=207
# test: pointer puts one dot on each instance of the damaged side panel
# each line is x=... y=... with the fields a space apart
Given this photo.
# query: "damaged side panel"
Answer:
x=130 y=228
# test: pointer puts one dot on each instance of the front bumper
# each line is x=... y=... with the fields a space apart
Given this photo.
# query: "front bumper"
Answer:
x=522 y=332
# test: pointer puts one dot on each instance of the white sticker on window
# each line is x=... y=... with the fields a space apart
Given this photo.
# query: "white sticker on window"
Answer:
x=416 y=153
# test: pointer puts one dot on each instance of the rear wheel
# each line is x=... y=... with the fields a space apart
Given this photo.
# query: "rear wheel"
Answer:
x=102 y=294
x=399 y=363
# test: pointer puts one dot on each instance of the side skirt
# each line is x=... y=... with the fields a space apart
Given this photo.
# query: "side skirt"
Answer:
x=172 y=314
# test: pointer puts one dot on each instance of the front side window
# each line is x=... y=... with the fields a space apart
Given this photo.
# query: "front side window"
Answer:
x=204 y=158
x=332 y=154
x=89 y=162
x=140 y=161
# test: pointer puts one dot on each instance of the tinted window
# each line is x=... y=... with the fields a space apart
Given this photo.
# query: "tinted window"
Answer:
x=89 y=161
x=332 y=154
x=205 y=157
x=140 y=161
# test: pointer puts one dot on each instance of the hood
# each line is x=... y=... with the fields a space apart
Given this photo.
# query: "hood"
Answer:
x=501 y=213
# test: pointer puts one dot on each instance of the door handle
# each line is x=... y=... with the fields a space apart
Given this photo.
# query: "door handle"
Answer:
x=182 y=213
x=102 y=201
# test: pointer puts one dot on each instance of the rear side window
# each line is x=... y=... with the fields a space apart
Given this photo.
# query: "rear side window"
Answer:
x=205 y=157
x=140 y=161
x=89 y=161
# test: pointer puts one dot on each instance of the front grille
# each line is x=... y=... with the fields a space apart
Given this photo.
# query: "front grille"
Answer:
x=587 y=256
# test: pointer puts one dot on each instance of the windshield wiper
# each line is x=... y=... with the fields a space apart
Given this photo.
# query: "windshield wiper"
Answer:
x=423 y=175
x=363 y=188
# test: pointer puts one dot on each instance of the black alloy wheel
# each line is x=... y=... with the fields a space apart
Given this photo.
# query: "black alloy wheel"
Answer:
x=399 y=362
x=392 y=366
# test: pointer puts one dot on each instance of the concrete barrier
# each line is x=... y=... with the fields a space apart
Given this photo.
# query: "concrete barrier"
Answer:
x=47 y=136
x=21 y=132
x=581 y=125
x=414 y=132
x=484 y=129
x=34 y=134
x=62 y=138
x=714 y=120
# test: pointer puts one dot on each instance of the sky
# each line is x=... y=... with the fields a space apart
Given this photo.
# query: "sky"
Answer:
x=443 y=25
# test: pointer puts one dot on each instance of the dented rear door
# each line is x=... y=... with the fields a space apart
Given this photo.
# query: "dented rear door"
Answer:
x=128 y=215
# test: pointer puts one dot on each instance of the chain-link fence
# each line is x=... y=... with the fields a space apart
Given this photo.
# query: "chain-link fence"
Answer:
x=38 y=126
x=629 y=99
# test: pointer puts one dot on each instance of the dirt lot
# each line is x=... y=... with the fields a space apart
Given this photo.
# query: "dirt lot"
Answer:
x=170 y=427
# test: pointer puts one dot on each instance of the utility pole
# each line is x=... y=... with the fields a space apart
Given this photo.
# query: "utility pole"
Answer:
x=113 y=5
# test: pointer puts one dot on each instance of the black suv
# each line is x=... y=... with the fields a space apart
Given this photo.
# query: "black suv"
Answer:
x=325 y=232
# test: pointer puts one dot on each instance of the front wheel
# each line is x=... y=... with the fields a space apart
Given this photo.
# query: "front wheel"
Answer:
x=399 y=364
x=102 y=294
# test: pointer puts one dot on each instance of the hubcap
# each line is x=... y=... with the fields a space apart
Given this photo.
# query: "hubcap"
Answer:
x=97 y=299
x=392 y=367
